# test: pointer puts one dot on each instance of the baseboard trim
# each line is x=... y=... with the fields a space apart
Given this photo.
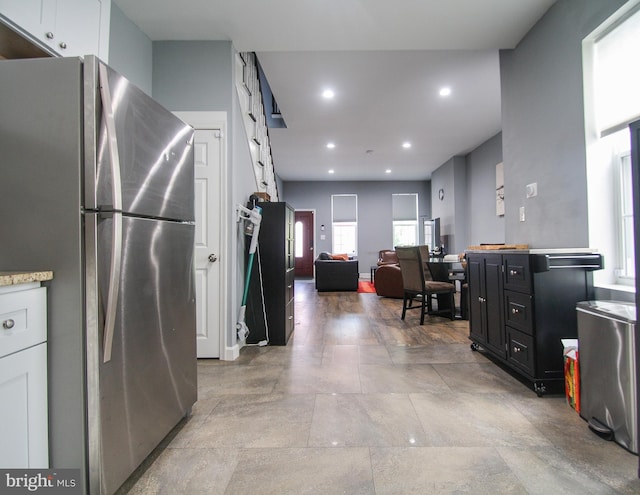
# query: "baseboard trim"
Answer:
x=231 y=353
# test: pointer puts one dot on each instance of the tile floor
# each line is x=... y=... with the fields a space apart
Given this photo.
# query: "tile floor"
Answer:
x=360 y=402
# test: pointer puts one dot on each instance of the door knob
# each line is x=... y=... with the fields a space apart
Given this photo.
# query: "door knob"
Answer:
x=213 y=258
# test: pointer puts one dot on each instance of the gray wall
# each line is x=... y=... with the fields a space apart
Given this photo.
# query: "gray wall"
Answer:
x=130 y=50
x=483 y=225
x=543 y=126
x=374 y=211
x=452 y=209
x=193 y=75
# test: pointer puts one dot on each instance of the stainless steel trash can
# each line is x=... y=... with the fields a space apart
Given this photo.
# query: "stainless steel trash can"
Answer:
x=606 y=346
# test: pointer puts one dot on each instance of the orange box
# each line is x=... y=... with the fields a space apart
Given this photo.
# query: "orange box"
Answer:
x=572 y=373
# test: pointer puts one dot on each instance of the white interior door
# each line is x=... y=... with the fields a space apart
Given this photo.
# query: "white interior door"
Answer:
x=208 y=160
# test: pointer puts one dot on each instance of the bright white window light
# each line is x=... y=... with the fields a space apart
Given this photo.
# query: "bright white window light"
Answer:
x=328 y=94
x=331 y=145
x=406 y=145
x=446 y=91
x=299 y=240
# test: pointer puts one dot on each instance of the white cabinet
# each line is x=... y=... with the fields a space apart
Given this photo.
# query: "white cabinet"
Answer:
x=23 y=377
x=64 y=27
x=36 y=17
x=77 y=27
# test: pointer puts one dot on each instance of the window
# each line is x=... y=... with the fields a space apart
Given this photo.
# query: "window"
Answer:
x=344 y=217
x=626 y=255
x=405 y=219
x=612 y=101
x=299 y=239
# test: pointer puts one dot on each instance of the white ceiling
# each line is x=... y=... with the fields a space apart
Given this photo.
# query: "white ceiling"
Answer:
x=385 y=61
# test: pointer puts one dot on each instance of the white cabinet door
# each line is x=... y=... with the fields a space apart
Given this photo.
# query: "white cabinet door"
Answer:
x=23 y=415
x=67 y=27
x=35 y=17
x=78 y=27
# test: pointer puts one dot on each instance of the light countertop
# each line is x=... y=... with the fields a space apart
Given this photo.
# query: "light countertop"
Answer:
x=549 y=251
x=15 y=278
x=563 y=251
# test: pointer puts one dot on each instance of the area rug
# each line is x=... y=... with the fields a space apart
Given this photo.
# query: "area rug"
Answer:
x=365 y=287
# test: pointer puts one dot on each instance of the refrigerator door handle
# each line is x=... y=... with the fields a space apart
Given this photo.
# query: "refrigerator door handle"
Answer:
x=114 y=286
x=112 y=138
x=116 y=195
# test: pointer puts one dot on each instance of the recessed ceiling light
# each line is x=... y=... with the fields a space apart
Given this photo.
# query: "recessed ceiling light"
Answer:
x=331 y=171
x=331 y=145
x=327 y=93
x=445 y=91
x=388 y=171
x=406 y=144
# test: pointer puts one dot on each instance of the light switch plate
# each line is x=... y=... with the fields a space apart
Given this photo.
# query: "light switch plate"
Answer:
x=522 y=213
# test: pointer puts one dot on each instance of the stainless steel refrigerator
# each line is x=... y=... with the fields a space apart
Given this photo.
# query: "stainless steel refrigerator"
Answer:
x=97 y=184
x=634 y=129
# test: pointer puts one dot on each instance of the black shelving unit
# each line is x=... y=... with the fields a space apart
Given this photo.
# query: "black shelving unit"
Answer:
x=276 y=260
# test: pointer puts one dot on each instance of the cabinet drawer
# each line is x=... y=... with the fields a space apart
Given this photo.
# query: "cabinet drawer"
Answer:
x=290 y=322
x=518 y=309
x=520 y=350
x=23 y=317
x=289 y=286
x=517 y=272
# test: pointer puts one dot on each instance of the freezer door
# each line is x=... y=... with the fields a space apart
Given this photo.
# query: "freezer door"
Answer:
x=144 y=153
x=149 y=382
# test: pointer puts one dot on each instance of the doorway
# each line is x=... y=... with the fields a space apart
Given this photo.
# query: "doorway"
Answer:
x=210 y=209
x=304 y=244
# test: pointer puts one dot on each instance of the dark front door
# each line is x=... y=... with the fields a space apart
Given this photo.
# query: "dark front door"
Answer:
x=304 y=243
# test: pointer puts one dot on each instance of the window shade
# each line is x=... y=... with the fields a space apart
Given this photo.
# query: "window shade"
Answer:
x=405 y=207
x=344 y=207
x=617 y=75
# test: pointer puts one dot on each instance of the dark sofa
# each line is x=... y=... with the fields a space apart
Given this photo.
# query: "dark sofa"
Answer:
x=335 y=275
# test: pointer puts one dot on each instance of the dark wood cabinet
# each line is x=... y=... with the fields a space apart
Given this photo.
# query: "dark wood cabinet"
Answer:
x=274 y=320
x=485 y=303
x=522 y=305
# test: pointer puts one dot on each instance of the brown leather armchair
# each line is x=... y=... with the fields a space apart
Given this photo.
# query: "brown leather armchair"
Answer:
x=388 y=281
x=388 y=277
x=387 y=256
